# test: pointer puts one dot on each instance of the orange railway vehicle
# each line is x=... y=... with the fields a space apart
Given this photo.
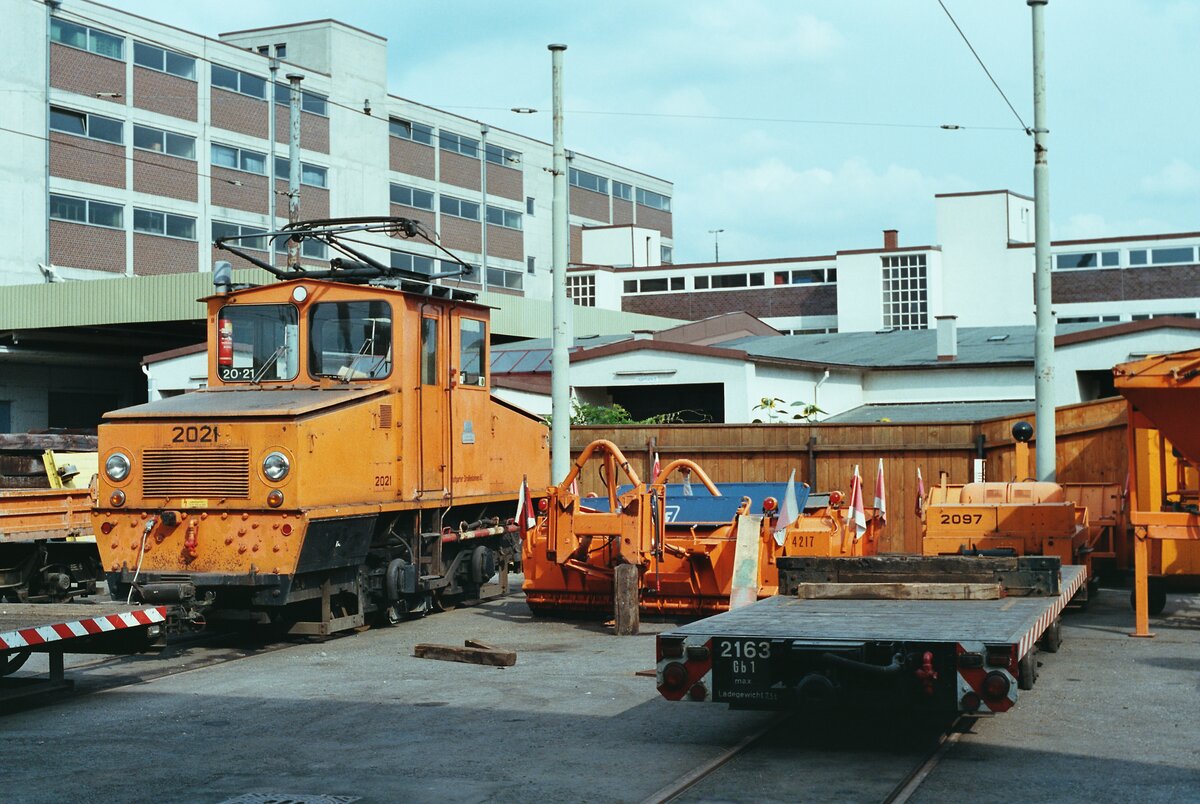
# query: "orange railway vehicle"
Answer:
x=346 y=459
x=685 y=547
x=45 y=556
x=1162 y=392
x=1077 y=522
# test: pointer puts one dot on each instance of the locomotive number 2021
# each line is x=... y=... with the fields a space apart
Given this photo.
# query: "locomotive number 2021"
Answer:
x=961 y=519
x=194 y=434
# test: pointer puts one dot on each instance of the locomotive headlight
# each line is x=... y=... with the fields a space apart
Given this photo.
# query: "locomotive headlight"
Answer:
x=116 y=468
x=276 y=466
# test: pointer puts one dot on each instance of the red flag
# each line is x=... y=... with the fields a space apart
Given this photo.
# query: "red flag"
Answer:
x=880 y=495
x=654 y=472
x=920 y=494
x=856 y=513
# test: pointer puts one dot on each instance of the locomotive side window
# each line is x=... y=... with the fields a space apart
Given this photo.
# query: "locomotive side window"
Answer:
x=350 y=340
x=429 y=349
x=471 y=345
x=258 y=343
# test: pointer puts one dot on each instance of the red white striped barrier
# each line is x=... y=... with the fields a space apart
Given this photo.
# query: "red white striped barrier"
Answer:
x=30 y=637
x=1051 y=614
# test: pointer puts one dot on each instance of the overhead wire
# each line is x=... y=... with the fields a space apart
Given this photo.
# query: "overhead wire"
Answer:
x=986 y=71
x=135 y=159
x=614 y=113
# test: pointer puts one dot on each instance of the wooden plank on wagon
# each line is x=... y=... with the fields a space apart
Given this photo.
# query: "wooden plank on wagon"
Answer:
x=899 y=591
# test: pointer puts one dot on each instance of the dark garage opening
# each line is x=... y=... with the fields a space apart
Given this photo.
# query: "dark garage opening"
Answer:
x=692 y=402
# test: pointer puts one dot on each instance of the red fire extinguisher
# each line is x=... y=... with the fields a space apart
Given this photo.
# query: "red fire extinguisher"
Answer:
x=224 y=342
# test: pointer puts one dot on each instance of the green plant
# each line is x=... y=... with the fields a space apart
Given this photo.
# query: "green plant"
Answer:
x=587 y=413
x=773 y=405
x=807 y=412
x=777 y=408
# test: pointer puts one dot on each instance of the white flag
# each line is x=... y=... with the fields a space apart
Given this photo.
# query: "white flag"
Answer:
x=788 y=512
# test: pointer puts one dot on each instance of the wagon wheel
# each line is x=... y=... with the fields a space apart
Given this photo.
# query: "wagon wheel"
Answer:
x=1052 y=637
x=1156 y=597
x=12 y=662
x=1027 y=672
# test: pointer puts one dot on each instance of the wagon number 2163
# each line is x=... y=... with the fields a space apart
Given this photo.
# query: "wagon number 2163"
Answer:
x=961 y=519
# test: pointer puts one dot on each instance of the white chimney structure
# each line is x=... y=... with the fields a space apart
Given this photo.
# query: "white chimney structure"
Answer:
x=947 y=337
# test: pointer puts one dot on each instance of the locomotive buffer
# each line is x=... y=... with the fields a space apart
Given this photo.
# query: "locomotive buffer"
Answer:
x=811 y=647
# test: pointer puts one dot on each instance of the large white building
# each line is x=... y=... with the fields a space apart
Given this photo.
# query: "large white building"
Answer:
x=980 y=270
x=128 y=145
x=135 y=143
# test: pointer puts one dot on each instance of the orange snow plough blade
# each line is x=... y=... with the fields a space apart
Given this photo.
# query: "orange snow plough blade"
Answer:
x=684 y=545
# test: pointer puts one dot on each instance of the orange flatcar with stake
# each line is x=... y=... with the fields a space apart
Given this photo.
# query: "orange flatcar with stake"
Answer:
x=346 y=459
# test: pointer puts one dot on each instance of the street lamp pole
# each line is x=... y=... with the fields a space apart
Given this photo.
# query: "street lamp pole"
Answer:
x=716 y=233
x=1043 y=339
x=560 y=361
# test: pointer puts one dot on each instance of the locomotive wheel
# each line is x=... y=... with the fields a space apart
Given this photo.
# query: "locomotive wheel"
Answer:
x=12 y=662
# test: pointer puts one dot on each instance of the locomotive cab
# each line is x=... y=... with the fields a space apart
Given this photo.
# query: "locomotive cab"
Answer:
x=346 y=458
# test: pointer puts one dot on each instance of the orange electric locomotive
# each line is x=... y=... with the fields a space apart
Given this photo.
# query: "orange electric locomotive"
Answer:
x=345 y=460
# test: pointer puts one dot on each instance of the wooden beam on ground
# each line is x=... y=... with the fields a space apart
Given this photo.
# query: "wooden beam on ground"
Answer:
x=471 y=653
x=899 y=591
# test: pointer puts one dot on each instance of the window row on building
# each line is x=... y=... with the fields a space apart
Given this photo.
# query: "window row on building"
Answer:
x=147 y=138
x=453 y=142
x=599 y=184
x=90 y=212
x=253 y=238
x=250 y=161
x=73 y=209
x=181 y=65
x=457 y=207
x=1135 y=258
x=731 y=281
x=497 y=277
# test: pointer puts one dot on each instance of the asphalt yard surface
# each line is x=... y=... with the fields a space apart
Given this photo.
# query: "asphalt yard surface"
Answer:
x=1111 y=719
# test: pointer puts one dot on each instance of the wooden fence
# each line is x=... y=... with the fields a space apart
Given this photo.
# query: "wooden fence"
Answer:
x=1091 y=446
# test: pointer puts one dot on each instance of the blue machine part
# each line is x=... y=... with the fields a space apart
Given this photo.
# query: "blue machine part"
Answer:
x=703 y=508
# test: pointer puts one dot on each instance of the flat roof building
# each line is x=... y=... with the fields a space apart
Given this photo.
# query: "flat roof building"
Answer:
x=980 y=269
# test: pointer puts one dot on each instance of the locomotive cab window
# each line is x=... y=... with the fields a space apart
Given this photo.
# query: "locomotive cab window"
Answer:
x=429 y=350
x=350 y=340
x=258 y=343
x=471 y=353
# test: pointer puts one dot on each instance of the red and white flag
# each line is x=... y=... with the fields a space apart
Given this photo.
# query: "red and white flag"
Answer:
x=655 y=470
x=524 y=516
x=920 y=494
x=856 y=514
x=880 y=495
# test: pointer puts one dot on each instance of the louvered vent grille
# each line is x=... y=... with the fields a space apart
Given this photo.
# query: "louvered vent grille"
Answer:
x=196 y=473
x=385 y=417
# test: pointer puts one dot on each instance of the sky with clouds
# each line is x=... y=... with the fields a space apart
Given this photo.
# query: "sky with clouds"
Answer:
x=800 y=128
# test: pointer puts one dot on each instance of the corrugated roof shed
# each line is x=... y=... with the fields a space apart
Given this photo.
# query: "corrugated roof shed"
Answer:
x=900 y=348
x=928 y=412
